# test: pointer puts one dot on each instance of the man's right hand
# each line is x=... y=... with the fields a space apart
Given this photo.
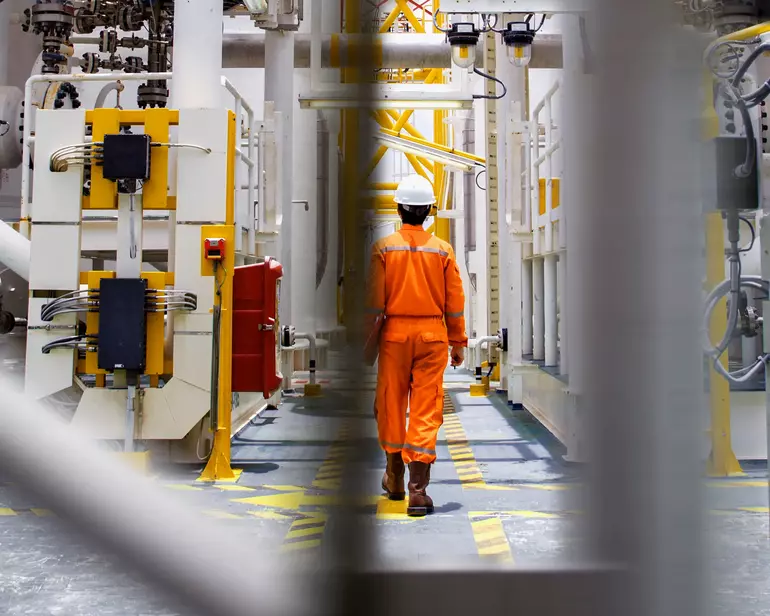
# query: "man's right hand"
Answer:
x=458 y=355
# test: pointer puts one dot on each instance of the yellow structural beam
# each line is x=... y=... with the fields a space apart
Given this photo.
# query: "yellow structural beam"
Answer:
x=420 y=164
x=410 y=16
x=471 y=158
x=722 y=461
x=218 y=467
x=402 y=123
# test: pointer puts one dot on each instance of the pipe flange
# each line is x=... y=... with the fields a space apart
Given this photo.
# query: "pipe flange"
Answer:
x=152 y=95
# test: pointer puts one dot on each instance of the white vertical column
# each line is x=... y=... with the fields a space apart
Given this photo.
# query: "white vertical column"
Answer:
x=549 y=274
x=279 y=88
x=538 y=284
x=549 y=308
x=326 y=296
x=5 y=19
x=304 y=207
x=561 y=329
x=526 y=307
x=576 y=135
x=197 y=68
x=197 y=54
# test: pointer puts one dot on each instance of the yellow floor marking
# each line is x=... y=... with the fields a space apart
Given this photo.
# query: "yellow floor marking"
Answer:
x=232 y=488
x=301 y=545
x=491 y=541
x=737 y=484
x=6 y=511
x=552 y=487
x=755 y=509
x=183 y=486
x=394 y=510
x=285 y=488
x=42 y=513
x=311 y=518
x=293 y=501
x=465 y=463
x=307 y=533
x=270 y=515
x=302 y=531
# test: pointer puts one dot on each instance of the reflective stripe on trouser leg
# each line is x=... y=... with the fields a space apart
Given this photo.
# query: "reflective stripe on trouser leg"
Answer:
x=392 y=398
x=426 y=401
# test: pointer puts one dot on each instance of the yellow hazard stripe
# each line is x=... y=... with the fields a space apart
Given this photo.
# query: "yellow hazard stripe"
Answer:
x=491 y=540
x=307 y=532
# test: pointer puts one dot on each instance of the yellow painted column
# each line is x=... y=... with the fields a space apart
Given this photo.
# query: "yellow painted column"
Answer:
x=722 y=461
x=218 y=467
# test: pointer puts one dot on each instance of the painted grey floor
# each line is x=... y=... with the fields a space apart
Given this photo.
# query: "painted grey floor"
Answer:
x=536 y=498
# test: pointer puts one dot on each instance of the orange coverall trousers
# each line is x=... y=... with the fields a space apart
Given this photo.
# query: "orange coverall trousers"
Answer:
x=413 y=358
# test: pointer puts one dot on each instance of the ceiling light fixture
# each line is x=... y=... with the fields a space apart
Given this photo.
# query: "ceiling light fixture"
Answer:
x=518 y=37
x=463 y=37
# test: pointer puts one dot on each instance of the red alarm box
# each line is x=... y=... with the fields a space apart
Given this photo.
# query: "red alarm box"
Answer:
x=255 y=327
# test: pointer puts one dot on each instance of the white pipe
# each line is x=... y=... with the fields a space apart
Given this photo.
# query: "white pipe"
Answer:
x=5 y=52
x=563 y=312
x=326 y=294
x=304 y=204
x=247 y=49
x=549 y=303
x=279 y=88
x=146 y=528
x=197 y=54
x=14 y=250
x=526 y=307
x=549 y=190
x=538 y=283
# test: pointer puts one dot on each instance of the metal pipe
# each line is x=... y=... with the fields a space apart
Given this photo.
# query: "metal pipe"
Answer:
x=247 y=50
x=538 y=290
x=279 y=89
x=105 y=91
x=323 y=200
x=14 y=250
x=549 y=309
x=197 y=53
x=653 y=271
x=416 y=51
x=312 y=352
x=526 y=307
x=147 y=529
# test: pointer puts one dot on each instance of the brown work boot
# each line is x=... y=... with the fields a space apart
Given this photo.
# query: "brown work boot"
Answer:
x=420 y=503
x=393 y=479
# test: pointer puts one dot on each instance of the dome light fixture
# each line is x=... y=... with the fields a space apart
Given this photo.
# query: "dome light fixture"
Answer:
x=463 y=37
x=518 y=37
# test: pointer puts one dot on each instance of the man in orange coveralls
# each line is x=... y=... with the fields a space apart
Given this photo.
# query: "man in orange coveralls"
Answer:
x=415 y=282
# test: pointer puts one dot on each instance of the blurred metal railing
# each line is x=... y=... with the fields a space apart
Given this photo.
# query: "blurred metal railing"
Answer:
x=634 y=245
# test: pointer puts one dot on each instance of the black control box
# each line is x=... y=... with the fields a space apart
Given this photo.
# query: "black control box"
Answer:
x=126 y=157
x=122 y=324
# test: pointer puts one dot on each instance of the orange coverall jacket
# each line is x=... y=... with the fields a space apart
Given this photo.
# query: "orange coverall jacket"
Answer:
x=415 y=282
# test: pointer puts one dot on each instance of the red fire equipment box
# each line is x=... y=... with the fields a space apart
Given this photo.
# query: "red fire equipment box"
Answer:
x=255 y=327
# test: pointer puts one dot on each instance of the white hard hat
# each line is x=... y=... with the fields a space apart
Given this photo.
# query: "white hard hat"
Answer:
x=415 y=191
